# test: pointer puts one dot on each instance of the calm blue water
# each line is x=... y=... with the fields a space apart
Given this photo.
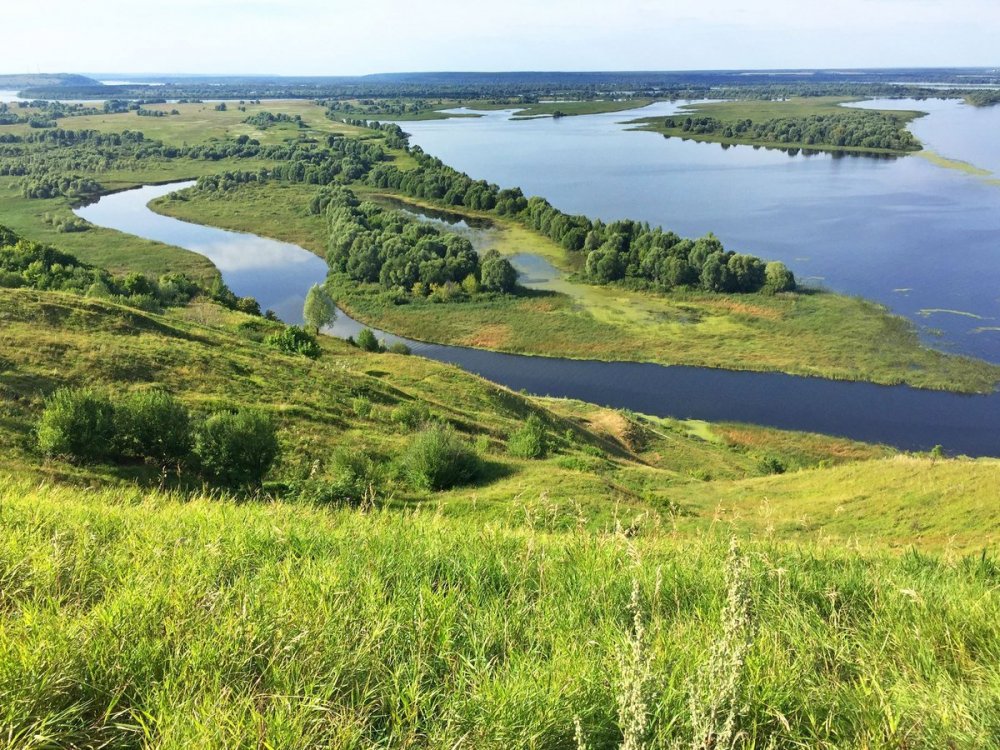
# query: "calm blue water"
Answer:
x=904 y=232
x=279 y=274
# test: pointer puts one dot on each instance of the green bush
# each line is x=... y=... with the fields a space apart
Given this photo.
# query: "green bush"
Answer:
x=237 y=449
x=294 y=340
x=530 y=440
x=366 y=340
x=77 y=423
x=399 y=348
x=353 y=477
x=411 y=415
x=437 y=459
x=362 y=406
x=152 y=424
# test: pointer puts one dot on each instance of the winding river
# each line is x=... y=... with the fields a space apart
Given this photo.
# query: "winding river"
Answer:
x=278 y=274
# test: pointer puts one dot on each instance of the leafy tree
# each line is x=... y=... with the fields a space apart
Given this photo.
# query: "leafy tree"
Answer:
x=777 y=278
x=319 y=309
x=497 y=273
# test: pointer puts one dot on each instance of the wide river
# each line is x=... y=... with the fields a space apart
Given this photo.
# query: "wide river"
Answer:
x=278 y=274
x=922 y=239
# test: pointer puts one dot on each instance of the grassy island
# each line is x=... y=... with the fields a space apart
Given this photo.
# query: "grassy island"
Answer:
x=820 y=123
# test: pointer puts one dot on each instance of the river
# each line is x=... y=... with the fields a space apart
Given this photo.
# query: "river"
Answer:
x=278 y=274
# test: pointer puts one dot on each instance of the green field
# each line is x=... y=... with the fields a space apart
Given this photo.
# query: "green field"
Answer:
x=818 y=333
x=793 y=109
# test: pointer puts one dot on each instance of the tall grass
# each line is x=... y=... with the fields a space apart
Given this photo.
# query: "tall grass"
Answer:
x=131 y=620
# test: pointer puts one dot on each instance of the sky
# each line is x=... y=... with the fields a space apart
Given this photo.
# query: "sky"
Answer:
x=333 y=37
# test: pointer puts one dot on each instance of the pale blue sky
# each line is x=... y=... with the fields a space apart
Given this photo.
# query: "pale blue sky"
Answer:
x=303 y=37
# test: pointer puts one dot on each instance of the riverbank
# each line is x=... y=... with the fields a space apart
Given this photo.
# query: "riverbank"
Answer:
x=817 y=334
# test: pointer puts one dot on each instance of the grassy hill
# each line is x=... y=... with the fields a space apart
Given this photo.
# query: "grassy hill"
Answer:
x=596 y=585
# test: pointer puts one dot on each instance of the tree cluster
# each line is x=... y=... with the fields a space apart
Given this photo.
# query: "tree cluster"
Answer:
x=26 y=264
x=265 y=120
x=855 y=129
x=371 y=244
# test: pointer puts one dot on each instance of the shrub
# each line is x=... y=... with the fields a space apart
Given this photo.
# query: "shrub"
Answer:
x=769 y=464
x=399 y=348
x=529 y=440
x=294 y=340
x=77 y=423
x=437 y=459
x=152 y=424
x=237 y=449
x=366 y=340
x=362 y=406
x=411 y=415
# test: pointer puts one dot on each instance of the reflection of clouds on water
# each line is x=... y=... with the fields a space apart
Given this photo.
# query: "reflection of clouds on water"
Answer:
x=277 y=274
x=245 y=253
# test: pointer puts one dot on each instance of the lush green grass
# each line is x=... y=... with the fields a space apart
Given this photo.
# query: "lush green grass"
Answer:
x=820 y=333
x=134 y=619
x=759 y=111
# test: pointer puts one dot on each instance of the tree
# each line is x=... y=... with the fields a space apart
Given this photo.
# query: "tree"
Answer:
x=319 y=309
x=497 y=274
x=777 y=278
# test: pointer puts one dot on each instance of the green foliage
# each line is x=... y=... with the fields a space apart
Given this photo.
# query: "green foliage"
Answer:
x=367 y=341
x=497 y=273
x=319 y=309
x=265 y=120
x=294 y=340
x=399 y=347
x=530 y=440
x=438 y=459
x=26 y=264
x=848 y=129
x=152 y=424
x=777 y=278
x=411 y=415
x=77 y=424
x=237 y=449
